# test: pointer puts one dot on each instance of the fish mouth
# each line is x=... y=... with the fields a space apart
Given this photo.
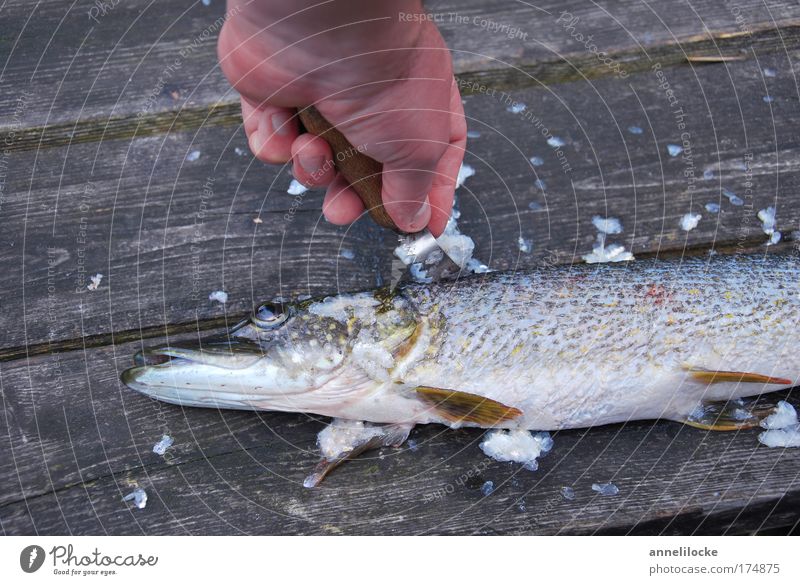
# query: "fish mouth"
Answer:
x=222 y=351
x=148 y=357
x=226 y=372
x=188 y=373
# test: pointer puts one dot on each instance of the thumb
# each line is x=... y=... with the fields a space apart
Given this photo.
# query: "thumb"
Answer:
x=406 y=184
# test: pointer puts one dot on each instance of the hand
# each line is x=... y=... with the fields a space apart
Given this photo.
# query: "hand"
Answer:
x=378 y=71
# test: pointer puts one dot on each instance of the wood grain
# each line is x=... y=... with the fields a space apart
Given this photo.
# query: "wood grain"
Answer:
x=165 y=232
x=99 y=117
x=144 y=68
x=79 y=441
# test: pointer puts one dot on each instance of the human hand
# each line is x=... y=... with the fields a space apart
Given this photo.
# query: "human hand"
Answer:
x=377 y=72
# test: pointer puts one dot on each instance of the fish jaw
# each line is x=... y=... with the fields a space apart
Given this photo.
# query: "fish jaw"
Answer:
x=154 y=384
x=233 y=374
x=350 y=391
x=190 y=382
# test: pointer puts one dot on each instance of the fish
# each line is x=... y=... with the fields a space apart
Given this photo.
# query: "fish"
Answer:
x=552 y=348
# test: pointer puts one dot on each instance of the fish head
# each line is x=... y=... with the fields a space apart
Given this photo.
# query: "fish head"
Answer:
x=300 y=357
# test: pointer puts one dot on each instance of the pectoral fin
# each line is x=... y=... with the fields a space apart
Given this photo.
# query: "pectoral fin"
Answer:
x=358 y=440
x=457 y=406
x=716 y=376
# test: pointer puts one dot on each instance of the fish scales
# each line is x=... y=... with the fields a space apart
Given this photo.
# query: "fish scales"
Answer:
x=591 y=344
x=563 y=347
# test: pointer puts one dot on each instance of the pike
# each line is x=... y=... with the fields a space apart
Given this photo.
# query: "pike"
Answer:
x=548 y=349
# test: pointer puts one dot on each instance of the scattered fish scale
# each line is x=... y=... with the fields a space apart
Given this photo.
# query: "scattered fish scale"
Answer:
x=674 y=150
x=525 y=246
x=519 y=446
x=783 y=427
x=219 y=296
x=605 y=489
x=601 y=253
x=138 y=496
x=163 y=444
x=690 y=221
x=296 y=188
x=767 y=217
x=732 y=197
x=536 y=161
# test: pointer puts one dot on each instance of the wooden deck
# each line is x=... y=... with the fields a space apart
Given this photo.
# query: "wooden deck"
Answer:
x=95 y=133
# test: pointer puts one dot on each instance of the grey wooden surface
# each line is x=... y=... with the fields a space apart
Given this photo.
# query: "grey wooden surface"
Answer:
x=95 y=180
x=78 y=441
x=110 y=77
x=152 y=219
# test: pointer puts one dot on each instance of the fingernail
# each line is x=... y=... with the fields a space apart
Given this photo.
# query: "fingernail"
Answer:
x=256 y=141
x=311 y=164
x=421 y=218
x=280 y=123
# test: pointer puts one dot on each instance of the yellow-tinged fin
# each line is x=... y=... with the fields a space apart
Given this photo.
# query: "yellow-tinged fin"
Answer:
x=458 y=406
x=735 y=415
x=716 y=376
x=373 y=437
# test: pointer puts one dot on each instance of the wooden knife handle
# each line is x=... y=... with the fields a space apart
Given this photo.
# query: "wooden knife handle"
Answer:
x=361 y=172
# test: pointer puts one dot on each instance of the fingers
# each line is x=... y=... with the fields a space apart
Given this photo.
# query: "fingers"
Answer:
x=418 y=190
x=249 y=116
x=406 y=184
x=313 y=161
x=341 y=205
x=418 y=185
x=270 y=131
x=444 y=188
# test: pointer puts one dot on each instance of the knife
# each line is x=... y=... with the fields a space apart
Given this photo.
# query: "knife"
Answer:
x=363 y=174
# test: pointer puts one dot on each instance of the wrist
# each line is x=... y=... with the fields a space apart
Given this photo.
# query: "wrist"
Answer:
x=339 y=28
x=358 y=40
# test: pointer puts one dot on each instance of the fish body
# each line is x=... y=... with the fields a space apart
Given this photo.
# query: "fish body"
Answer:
x=559 y=347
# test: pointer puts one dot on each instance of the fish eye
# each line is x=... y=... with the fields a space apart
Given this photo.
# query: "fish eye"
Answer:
x=270 y=315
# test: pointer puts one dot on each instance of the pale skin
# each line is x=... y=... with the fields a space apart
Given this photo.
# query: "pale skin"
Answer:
x=378 y=71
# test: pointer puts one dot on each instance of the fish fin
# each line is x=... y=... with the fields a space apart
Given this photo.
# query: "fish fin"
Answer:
x=458 y=406
x=731 y=415
x=373 y=437
x=715 y=376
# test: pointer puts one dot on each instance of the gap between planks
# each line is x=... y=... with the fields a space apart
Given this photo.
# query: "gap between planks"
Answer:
x=103 y=339
x=719 y=45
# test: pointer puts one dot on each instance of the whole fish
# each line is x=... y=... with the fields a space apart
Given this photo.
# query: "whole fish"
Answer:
x=548 y=349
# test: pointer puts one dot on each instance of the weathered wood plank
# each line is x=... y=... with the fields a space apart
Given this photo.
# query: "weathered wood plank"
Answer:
x=73 y=441
x=159 y=227
x=143 y=67
x=165 y=231
x=68 y=419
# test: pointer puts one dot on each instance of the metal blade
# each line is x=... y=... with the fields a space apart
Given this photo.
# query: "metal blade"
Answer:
x=425 y=259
